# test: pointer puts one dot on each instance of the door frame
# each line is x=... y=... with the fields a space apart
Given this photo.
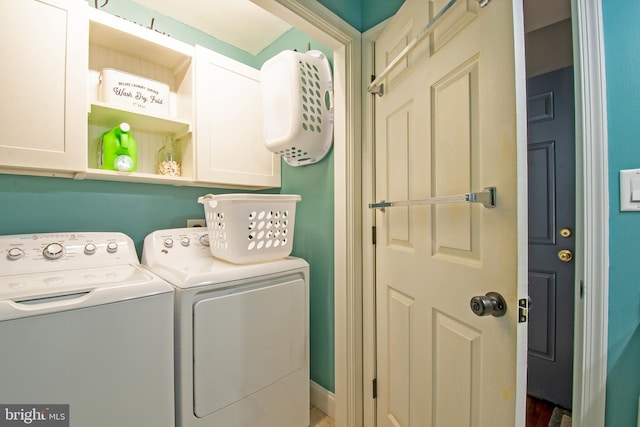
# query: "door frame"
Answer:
x=323 y=25
x=592 y=215
x=354 y=302
x=592 y=205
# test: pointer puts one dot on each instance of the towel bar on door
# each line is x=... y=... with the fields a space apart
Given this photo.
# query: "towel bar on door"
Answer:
x=487 y=197
x=376 y=87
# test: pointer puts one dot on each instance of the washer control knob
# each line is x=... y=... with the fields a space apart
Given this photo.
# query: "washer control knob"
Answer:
x=204 y=240
x=90 y=249
x=168 y=242
x=14 y=254
x=53 y=251
x=185 y=241
x=112 y=247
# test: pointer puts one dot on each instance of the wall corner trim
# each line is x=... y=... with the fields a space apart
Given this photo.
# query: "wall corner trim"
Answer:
x=590 y=367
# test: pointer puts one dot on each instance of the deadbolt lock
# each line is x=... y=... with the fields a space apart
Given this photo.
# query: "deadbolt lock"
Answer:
x=565 y=255
x=566 y=232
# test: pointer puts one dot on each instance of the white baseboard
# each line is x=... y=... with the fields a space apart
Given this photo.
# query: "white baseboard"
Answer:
x=323 y=399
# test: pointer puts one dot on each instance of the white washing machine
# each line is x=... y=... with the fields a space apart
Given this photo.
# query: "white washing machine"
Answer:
x=83 y=324
x=242 y=334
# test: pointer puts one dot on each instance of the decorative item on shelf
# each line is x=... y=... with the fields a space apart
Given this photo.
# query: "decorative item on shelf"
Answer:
x=138 y=93
x=118 y=150
x=297 y=105
x=169 y=158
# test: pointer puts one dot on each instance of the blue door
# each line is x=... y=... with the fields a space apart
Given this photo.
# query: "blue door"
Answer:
x=551 y=162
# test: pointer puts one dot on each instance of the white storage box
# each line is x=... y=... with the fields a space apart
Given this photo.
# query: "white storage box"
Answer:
x=297 y=106
x=134 y=92
x=246 y=228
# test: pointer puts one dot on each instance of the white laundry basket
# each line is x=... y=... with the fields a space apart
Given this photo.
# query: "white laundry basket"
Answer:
x=246 y=228
x=297 y=106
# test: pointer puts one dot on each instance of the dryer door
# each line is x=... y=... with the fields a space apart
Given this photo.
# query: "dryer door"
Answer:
x=246 y=341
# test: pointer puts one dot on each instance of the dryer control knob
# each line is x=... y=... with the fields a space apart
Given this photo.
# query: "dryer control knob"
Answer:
x=15 y=253
x=112 y=247
x=53 y=251
x=90 y=249
x=168 y=242
x=185 y=241
x=204 y=240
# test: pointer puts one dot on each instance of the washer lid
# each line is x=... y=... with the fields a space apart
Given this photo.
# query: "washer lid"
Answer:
x=39 y=293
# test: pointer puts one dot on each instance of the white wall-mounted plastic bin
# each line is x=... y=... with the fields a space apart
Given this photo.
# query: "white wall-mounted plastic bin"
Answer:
x=297 y=106
x=248 y=228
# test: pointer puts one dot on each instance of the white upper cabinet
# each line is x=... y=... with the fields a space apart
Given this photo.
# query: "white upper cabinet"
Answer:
x=228 y=124
x=58 y=100
x=43 y=75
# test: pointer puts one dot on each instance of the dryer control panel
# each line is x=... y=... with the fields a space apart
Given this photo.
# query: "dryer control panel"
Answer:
x=178 y=244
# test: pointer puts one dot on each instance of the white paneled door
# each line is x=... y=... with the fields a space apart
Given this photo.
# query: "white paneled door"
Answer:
x=451 y=121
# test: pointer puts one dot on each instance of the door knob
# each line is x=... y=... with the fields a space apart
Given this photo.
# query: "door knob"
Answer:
x=490 y=304
x=565 y=255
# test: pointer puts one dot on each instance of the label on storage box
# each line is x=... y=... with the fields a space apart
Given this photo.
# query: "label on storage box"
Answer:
x=120 y=88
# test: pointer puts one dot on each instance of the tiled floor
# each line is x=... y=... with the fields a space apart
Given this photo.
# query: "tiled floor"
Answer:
x=320 y=419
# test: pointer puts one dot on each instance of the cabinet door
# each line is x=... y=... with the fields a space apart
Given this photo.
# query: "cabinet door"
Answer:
x=228 y=126
x=44 y=45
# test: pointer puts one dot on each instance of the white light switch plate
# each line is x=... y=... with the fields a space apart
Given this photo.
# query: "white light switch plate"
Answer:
x=630 y=190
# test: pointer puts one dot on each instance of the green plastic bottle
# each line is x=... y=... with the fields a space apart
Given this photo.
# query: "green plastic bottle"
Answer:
x=118 y=150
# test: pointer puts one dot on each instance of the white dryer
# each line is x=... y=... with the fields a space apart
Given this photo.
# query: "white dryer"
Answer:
x=242 y=334
x=83 y=324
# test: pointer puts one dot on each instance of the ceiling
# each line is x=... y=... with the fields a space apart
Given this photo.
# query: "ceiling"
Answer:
x=238 y=22
x=247 y=26
x=542 y=13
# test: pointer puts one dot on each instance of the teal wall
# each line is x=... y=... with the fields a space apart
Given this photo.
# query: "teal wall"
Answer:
x=622 y=36
x=313 y=239
x=376 y=11
x=363 y=14
x=350 y=10
x=40 y=205
x=291 y=40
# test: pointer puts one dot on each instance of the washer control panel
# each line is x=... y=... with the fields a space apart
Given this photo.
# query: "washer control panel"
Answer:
x=30 y=253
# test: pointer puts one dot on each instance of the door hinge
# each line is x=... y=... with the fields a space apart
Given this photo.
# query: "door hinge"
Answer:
x=375 y=388
x=523 y=310
x=373 y=235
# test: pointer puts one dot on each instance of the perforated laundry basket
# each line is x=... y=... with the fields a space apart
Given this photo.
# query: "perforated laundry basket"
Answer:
x=297 y=106
x=246 y=228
